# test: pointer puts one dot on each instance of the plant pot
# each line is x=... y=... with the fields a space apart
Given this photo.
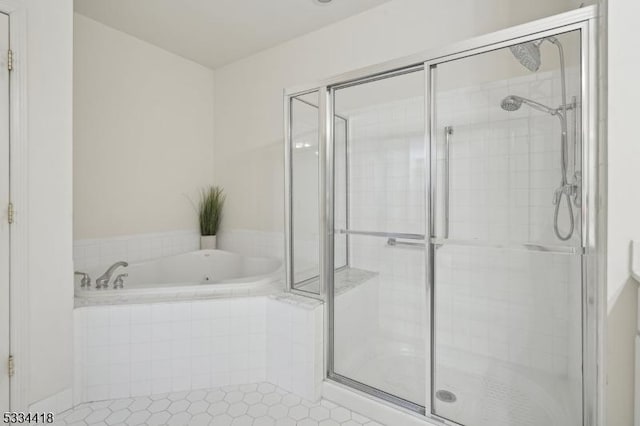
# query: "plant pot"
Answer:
x=208 y=242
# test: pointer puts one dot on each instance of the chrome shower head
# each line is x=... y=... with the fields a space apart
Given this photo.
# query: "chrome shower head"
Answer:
x=528 y=54
x=511 y=103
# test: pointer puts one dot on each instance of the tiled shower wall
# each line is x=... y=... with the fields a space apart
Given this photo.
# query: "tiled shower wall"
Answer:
x=520 y=307
x=504 y=166
x=387 y=193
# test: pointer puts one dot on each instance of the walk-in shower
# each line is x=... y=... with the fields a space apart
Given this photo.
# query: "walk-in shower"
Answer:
x=419 y=209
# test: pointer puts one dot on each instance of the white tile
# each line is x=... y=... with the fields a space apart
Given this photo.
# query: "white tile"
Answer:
x=201 y=310
x=140 y=372
x=140 y=352
x=161 y=385
x=161 y=331
x=97 y=355
x=200 y=328
x=119 y=334
x=161 y=312
x=142 y=333
x=140 y=314
x=160 y=369
x=119 y=315
x=180 y=312
x=98 y=337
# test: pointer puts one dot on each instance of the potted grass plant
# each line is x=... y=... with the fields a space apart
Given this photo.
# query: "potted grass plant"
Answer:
x=209 y=215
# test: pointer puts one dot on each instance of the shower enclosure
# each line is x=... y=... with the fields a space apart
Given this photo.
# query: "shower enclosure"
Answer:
x=443 y=208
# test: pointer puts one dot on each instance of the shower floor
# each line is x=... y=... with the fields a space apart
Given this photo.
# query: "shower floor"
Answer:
x=503 y=394
x=395 y=368
x=488 y=392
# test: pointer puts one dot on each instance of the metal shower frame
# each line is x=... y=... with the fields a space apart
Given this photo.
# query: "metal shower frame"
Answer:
x=289 y=246
x=593 y=215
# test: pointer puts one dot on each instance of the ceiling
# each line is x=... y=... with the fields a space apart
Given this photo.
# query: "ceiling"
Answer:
x=217 y=32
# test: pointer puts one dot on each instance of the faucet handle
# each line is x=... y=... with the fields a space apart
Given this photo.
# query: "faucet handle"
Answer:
x=85 y=281
x=119 y=281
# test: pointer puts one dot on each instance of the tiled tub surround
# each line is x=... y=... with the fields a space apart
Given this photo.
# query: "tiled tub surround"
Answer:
x=102 y=252
x=187 y=276
x=136 y=350
x=252 y=243
x=178 y=294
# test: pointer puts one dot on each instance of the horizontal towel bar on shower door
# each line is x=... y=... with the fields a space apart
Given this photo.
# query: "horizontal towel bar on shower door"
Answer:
x=382 y=234
x=509 y=246
x=394 y=242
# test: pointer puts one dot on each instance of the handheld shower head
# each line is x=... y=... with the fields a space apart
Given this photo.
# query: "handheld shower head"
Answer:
x=513 y=103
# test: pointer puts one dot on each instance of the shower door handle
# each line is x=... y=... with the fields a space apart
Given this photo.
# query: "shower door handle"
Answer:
x=524 y=246
x=382 y=234
x=394 y=243
x=448 y=131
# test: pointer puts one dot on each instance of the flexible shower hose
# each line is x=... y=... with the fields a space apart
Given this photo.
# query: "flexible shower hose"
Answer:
x=564 y=189
x=564 y=148
x=571 y=220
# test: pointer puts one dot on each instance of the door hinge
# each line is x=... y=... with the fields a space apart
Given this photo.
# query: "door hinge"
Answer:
x=10 y=60
x=11 y=366
x=10 y=213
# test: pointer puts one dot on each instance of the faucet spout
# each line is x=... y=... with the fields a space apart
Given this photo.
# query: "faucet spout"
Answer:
x=103 y=280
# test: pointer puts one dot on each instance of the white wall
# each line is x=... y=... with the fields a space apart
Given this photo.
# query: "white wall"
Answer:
x=620 y=353
x=623 y=207
x=248 y=104
x=623 y=142
x=143 y=134
x=49 y=215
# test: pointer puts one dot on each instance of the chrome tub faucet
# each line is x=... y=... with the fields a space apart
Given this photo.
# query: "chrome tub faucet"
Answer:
x=103 y=280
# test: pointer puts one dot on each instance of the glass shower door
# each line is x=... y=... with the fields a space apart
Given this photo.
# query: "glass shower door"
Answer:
x=507 y=257
x=378 y=322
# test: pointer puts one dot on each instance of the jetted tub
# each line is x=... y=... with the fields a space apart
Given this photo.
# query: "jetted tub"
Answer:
x=198 y=274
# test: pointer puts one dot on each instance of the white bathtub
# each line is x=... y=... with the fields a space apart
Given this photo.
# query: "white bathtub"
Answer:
x=203 y=273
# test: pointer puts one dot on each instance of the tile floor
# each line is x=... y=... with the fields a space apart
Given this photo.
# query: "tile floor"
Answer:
x=258 y=404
